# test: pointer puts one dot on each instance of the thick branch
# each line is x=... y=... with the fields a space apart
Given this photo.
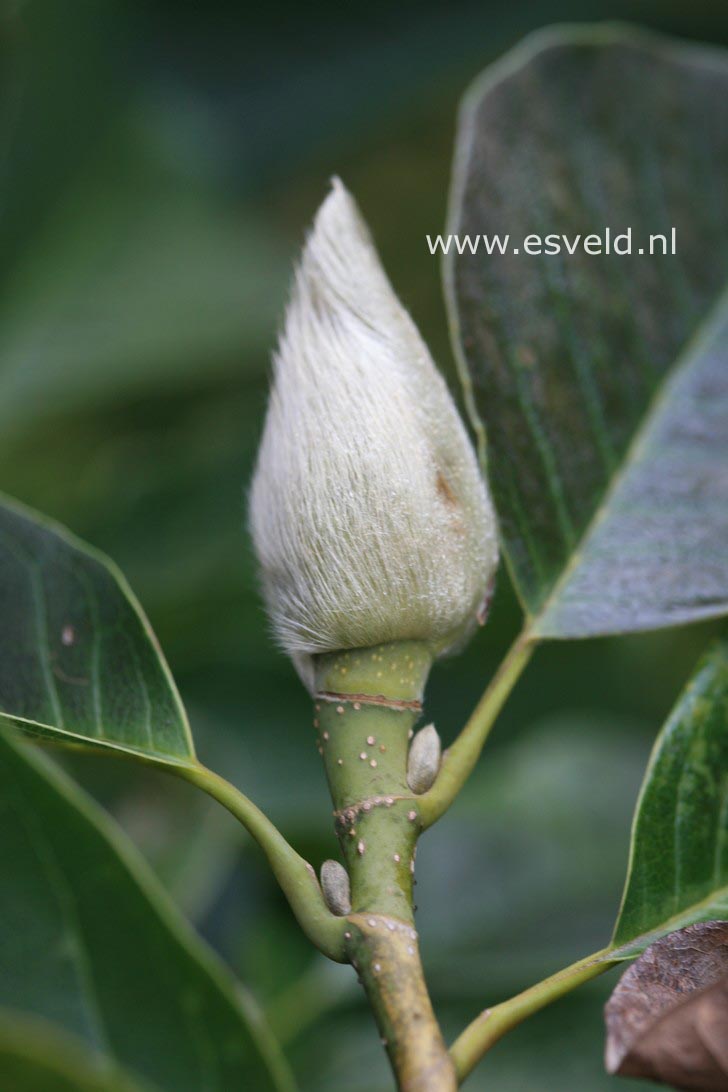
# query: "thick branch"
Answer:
x=385 y=954
x=363 y=735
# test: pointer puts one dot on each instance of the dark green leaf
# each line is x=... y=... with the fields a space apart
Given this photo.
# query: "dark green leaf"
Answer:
x=678 y=871
x=89 y=942
x=36 y=1057
x=602 y=380
x=78 y=661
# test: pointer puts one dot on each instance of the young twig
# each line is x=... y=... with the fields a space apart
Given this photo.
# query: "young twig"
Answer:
x=459 y=759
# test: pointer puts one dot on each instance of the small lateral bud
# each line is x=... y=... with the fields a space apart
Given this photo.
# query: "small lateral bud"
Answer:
x=424 y=759
x=336 y=888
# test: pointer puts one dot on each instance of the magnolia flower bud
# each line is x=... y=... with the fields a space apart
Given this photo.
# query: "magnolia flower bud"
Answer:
x=336 y=888
x=369 y=515
x=423 y=760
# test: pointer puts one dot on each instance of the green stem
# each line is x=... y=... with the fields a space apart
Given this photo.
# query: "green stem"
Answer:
x=493 y=1023
x=367 y=703
x=295 y=875
x=385 y=954
x=459 y=759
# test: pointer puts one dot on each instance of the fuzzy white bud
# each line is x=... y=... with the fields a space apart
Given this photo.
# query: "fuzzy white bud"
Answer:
x=423 y=761
x=369 y=515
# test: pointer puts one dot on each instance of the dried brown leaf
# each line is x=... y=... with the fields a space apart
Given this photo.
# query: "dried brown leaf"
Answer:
x=667 y=1020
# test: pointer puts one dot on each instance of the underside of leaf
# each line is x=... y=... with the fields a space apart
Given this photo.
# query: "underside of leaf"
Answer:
x=600 y=378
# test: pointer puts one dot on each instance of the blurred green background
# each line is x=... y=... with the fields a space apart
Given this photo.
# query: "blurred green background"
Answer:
x=160 y=163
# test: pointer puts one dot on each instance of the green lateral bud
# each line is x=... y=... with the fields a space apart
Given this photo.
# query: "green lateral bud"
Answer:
x=336 y=888
x=424 y=759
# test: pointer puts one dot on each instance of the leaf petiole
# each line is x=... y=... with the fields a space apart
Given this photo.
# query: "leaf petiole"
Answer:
x=492 y=1024
x=459 y=759
x=294 y=874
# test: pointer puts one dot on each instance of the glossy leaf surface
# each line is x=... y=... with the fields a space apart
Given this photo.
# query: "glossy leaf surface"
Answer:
x=78 y=661
x=678 y=871
x=90 y=943
x=600 y=378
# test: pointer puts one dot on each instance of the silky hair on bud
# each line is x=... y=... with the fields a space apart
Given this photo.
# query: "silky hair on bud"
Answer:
x=368 y=512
